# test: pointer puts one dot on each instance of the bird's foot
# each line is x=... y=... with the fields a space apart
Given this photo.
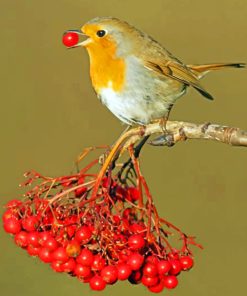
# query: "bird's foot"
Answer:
x=163 y=140
x=169 y=139
x=166 y=139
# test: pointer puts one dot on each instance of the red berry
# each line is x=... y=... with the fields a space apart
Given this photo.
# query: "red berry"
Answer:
x=12 y=225
x=163 y=267
x=33 y=251
x=73 y=248
x=120 y=240
x=98 y=262
x=85 y=258
x=83 y=234
x=134 y=194
x=81 y=180
x=30 y=223
x=70 y=39
x=45 y=255
x=69 y=266
x=43 y=237
x=152 y=259
x=71 y=230
x=174 y=255
x=109 y=274
x=136 y=242
x=97 y=283
x=124 y=255
x=57 y=266
x=124 y=271
x=33 y=238
x=13 y=203
x=106 y=182
x=116 y=219
x=60 y=255
x=150 y=270
x=82 y=270
x=157 y=288
x=21 y=239
x=138 y=228
x=176 y=267
x=127 y=213
x=80 y=191
x=135 y=261
x=149 y=281
x=170 y=281
x=186 y=262
x=51 y=244
x=10 y=213
x=120 y=192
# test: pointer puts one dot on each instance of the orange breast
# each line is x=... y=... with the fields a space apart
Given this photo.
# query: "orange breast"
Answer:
x=106 y=70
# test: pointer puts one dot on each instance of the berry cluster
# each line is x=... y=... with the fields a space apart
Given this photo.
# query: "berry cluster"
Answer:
x=99 y=229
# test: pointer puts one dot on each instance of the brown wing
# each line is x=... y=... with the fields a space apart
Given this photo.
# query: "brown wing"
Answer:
x=179 y=72
x=158 y=59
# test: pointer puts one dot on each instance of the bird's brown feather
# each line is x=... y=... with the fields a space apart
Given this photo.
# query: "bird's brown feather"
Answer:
x=180 y=73
x=201 y=70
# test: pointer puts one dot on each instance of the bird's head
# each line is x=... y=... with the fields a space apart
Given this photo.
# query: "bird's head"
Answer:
x=109 y=35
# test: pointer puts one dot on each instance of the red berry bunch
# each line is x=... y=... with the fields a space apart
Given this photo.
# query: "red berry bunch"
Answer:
x=100 y=228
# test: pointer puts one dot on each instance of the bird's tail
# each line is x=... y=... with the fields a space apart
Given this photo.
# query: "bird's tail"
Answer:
x=201 y=70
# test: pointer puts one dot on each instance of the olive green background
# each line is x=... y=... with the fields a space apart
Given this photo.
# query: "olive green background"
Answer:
x=49 y=112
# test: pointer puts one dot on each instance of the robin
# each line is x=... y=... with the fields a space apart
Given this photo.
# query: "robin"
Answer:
x=133 y=75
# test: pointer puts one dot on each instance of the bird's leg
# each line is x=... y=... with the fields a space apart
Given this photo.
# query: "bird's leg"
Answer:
x=162 y=123
x=164 y=119
x=167 y=138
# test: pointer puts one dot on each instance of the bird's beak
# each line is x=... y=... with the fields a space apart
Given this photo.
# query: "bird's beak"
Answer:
x=79 y=32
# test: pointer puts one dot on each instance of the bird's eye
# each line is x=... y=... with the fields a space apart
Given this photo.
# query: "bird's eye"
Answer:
x=101 y=33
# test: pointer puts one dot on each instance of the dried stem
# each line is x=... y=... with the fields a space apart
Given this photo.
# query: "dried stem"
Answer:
x=180 y=131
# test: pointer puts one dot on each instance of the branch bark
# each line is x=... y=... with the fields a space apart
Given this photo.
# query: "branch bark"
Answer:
x=180 y=131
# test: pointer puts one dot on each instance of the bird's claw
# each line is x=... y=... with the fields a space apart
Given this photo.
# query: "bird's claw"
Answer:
x=163 y=140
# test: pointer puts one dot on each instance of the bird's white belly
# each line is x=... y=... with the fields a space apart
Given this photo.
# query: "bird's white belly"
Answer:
x=133 y=107
x=121 y=107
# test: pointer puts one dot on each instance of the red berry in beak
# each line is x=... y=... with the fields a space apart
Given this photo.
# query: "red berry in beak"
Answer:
x=70 y=39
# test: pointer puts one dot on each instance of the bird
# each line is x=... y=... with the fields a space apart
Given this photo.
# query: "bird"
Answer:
x=134 y=76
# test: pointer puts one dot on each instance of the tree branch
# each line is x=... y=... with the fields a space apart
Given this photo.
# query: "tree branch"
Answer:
x=175 y=131
x=181 y=131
